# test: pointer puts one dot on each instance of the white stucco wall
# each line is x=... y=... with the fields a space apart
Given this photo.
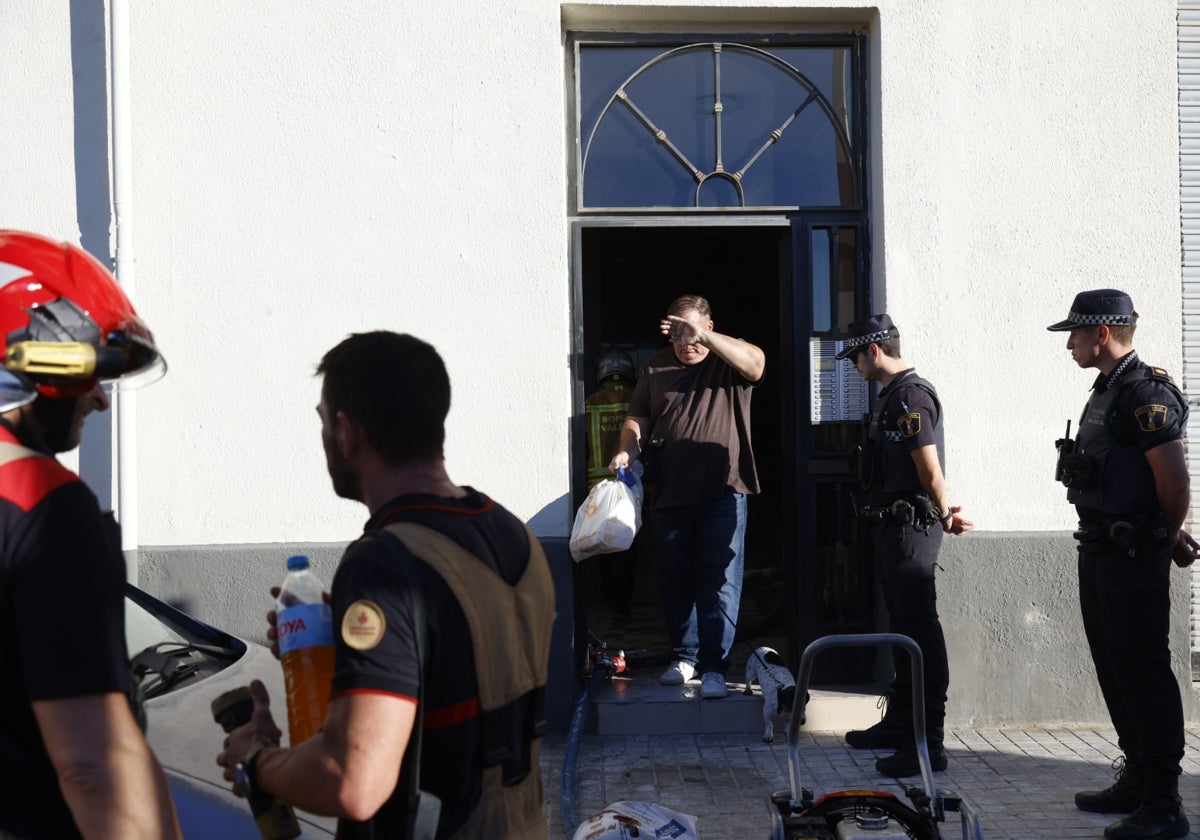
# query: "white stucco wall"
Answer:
x=1017 y=170
x=302 y=171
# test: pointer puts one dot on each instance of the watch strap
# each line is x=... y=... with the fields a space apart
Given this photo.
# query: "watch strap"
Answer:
x=250 y=763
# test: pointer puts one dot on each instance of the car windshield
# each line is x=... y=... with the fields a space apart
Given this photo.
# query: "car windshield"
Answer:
x=169 y=649
x=143 y=628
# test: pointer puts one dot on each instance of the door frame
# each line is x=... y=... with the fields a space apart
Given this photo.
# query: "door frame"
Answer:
x=794 y=331
x=812 y=468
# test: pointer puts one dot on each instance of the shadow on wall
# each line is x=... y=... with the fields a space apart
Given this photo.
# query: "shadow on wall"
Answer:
x=550 y=519
x=93 y=201
x=229 y=586
x=562 y=685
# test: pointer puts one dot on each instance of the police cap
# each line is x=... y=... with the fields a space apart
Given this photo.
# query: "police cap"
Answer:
x=871 y=330
x=1110 y=307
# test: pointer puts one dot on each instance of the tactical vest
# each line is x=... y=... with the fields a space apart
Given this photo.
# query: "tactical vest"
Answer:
x=510 y=635
x=880 y=483
x=1121 y=479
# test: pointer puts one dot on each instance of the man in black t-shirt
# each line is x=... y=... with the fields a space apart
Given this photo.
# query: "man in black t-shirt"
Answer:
x=906 y=506
x=442 y=614
x=73 y=761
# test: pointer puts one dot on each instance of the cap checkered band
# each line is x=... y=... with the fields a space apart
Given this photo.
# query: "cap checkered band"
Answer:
x=872 y=338
x=1097 y=320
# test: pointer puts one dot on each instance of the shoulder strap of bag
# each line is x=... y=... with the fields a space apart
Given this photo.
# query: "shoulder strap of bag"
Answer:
x=416 y=592
x=674 y=405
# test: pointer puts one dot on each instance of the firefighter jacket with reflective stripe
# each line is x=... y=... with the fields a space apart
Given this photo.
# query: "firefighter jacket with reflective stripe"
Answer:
x=605 y=411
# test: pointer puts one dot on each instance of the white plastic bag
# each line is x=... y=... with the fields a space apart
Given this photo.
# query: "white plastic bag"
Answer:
x=609 y=517
x=623 y=820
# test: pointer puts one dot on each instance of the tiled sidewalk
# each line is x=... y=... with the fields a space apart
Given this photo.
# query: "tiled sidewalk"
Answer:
x=1022 y=782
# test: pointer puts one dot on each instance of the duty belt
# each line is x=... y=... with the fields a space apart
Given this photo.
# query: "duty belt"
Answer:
x=920 y=513
x=1122 y=531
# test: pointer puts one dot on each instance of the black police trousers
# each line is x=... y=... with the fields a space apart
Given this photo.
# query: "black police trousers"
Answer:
x=1126 y=606
x=907 y=561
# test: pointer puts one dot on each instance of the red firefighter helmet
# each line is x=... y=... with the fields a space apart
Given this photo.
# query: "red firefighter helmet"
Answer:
x=65 y=323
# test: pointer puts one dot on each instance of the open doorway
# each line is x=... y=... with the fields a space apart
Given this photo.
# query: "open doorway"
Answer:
x=629 y=277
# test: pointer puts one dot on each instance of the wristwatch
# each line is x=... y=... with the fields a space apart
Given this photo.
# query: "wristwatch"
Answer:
x=245 y=772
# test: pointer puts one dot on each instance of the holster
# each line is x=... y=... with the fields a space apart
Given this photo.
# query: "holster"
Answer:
x=1075 y=471
x=899 y=512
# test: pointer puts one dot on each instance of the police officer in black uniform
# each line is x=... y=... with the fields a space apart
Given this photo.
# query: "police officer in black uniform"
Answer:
x=1126 y=475
x=905 y=503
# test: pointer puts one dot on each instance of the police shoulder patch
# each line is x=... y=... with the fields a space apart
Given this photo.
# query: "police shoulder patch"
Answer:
x=363 y=625
x=910 y=424
x=1151 y=418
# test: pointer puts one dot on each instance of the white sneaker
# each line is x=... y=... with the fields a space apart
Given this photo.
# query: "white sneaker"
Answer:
x=712 y=686
x=679 y=673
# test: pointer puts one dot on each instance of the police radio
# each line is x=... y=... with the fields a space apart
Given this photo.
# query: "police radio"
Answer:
x=1065 y=446
x=1073 y=469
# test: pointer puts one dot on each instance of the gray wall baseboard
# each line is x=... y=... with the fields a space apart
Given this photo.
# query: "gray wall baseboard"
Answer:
x=1008 y=602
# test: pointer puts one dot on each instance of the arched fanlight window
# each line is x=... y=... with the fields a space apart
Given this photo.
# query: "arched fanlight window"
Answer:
x=718 y=125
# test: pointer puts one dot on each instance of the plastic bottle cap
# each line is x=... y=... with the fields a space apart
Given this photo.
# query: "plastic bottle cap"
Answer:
x=297 y=562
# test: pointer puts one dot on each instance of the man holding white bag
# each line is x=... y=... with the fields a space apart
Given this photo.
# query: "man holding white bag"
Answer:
x=694 y=398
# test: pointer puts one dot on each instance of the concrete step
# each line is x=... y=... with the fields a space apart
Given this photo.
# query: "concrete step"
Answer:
x=637 y=704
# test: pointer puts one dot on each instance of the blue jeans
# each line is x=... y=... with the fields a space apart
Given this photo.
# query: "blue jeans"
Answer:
x=701 y=554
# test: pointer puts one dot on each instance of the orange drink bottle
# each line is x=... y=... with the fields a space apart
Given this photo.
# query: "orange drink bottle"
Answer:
x=304 y=626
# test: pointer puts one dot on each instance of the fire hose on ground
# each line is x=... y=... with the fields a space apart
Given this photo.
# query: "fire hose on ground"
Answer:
x=603 y=667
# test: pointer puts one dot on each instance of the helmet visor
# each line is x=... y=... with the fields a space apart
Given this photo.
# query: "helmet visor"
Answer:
x=146 y=375
x=139 y=363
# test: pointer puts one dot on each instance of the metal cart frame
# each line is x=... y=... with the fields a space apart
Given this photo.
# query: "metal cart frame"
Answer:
x=927 y=808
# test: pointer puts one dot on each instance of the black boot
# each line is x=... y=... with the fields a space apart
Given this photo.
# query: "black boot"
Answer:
x=904 y=761
x=1159 y=818
x=1122 y=797
x=894 y=731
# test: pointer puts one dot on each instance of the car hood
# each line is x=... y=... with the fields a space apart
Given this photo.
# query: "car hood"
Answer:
x=186 y=739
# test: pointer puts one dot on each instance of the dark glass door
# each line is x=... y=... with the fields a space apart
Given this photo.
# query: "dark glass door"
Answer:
x=835 y=580
x=793 y=293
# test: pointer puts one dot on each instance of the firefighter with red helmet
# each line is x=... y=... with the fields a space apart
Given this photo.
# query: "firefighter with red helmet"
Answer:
x=73 y=760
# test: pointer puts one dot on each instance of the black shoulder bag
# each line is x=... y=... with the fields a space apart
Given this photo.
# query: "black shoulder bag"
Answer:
x=651 y=456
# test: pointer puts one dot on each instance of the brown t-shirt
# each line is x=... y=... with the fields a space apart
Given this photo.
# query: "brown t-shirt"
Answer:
x=706 y=439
